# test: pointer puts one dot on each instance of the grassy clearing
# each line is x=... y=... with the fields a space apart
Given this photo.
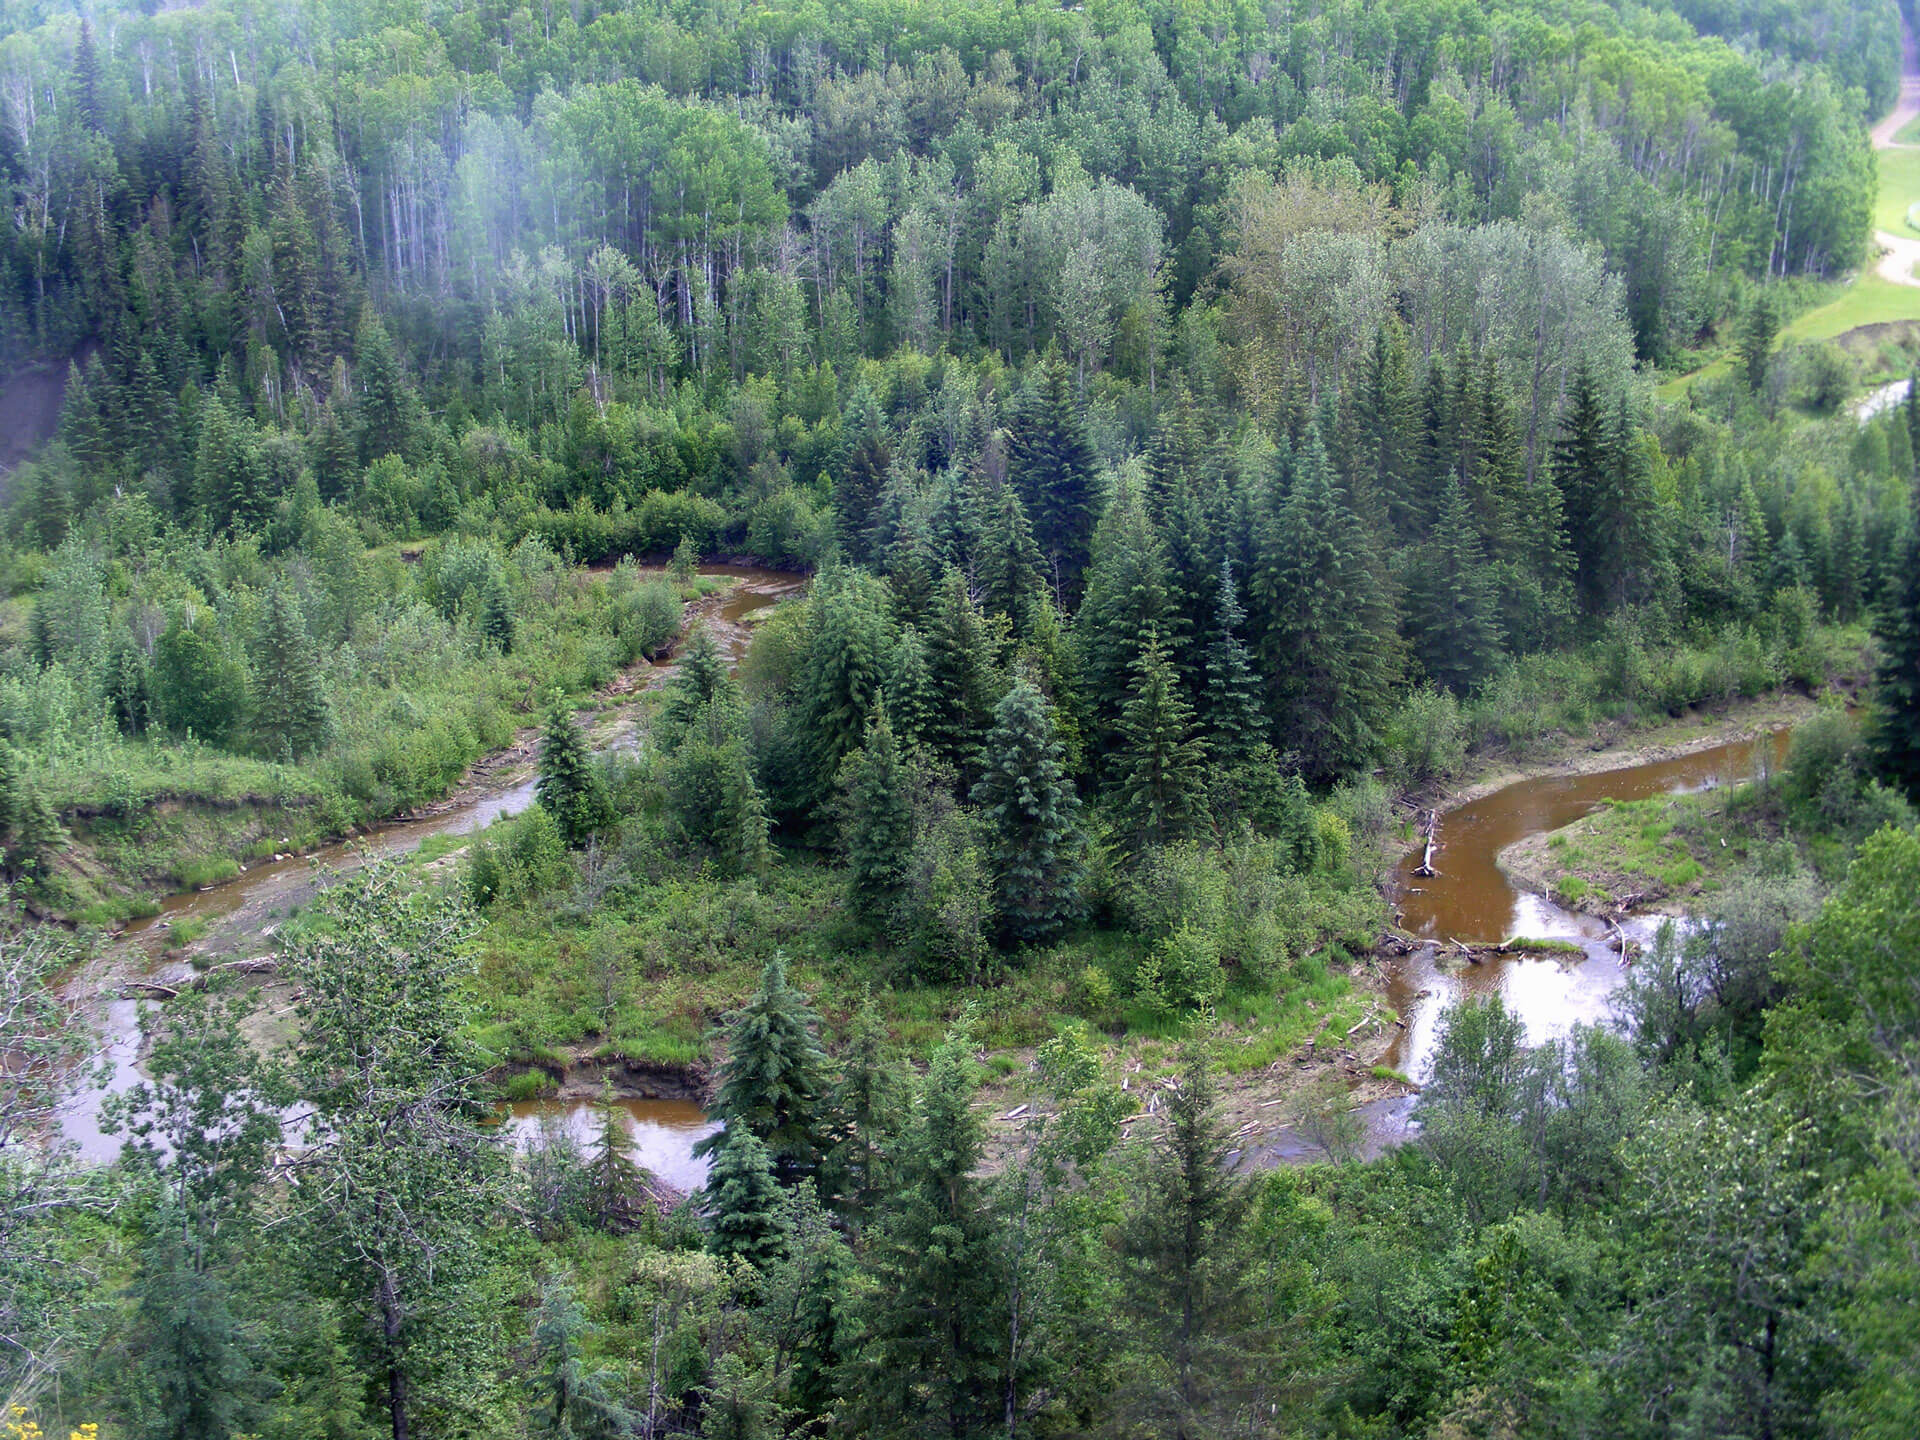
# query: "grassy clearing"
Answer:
x=1870 y=300
x=1899 y=189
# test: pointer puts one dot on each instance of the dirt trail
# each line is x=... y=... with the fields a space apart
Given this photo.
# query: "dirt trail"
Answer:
x=1899 y=254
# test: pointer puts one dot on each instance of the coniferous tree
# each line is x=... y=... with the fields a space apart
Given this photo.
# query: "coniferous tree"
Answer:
x=1008 y=562
x=1451 y=609
x=569 y=788
x=1895 y=728
x=1757 y=334
x=1052 y=465
x=775 y=1078
x=849 y=643
x=1386 y=424
x=616 y=1186
x=861 y=473
x=1582 y=457
x=868 y=1102
x=290 y=714
x=1230 y=699
x=576 y=1402
x=912 y=703
x=879 y=820
x=496 y=610
x=1185 y=1287
x=745 y=1209
x=933 y=1360
x=1032 y=812
x=1127 y=607
x=714 y=804
x=701 y=679
x=1328 y=640
x=960 y=670
x=1159 y=773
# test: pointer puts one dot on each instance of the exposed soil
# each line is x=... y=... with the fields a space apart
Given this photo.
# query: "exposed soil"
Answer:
x=30 y=400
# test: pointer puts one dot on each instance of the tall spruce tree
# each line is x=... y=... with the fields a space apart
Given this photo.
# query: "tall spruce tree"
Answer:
x=933 y=1362
x=1127 y=607
x=1582 y=457
x=1895 y=726
x=1386 y=425
x=569 y=788
x=1035 y=845
x=849 y=642
x=1328 y=639
x=1052 y=465
x=1008 y=563
x=701 y=678
x=1451 y=608
x=775 y=1077
x=1230 y=698
x=878 y=820
x=912 y=703
x=290 y=715
x=1186 y=1289
x=1160 y=771
x=960 y=669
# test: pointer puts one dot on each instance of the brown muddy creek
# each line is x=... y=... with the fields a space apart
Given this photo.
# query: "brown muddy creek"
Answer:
x=1471 y=899
x=663 y=1131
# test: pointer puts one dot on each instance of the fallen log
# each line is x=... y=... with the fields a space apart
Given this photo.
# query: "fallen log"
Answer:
x=1425 y=868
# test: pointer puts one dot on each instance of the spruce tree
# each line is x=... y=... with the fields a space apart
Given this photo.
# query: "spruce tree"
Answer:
x=1757 y=334
x=960 y=670
x=569 y=788
x=1127 y=607
x=1386 y=425
x=700 y=679
x=616 y=1186
x=775 y=1077
x=290 y=712
x=1052 y=465
x=1030 y=807
x=868 y=1104
x=1895 y=723
x=1159 y=773
x=849 y=642
x=1451 y=609
x=1185 y=1282
x=1581 y=458
x=1328 y=638
x=934 y=1312
x=496 y=610
x=860 y=472
x=1008 y=562
x=1230 y=698
x=878 y=820
x=745 y=1209
x=912 y=703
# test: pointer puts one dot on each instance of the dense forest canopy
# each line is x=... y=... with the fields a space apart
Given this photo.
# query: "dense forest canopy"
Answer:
x=1190 y=438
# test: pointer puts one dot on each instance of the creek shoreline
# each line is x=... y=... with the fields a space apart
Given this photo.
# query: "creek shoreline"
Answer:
x=1669 y=738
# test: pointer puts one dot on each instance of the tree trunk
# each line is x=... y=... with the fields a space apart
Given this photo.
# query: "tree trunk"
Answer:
x=391 y=1323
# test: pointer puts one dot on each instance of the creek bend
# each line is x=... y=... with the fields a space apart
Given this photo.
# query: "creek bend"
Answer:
x=1472 y=899
x=240 y=916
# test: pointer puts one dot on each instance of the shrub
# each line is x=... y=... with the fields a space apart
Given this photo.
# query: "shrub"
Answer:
x=1429 y=736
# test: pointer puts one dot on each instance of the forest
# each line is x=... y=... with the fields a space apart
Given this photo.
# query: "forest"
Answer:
x=904 y=577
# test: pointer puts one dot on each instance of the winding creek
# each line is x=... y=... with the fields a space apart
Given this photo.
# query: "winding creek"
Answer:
x=1470 y=899
x=240 y=914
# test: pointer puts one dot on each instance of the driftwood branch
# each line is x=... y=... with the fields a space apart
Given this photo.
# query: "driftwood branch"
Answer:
x=1425 y=868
